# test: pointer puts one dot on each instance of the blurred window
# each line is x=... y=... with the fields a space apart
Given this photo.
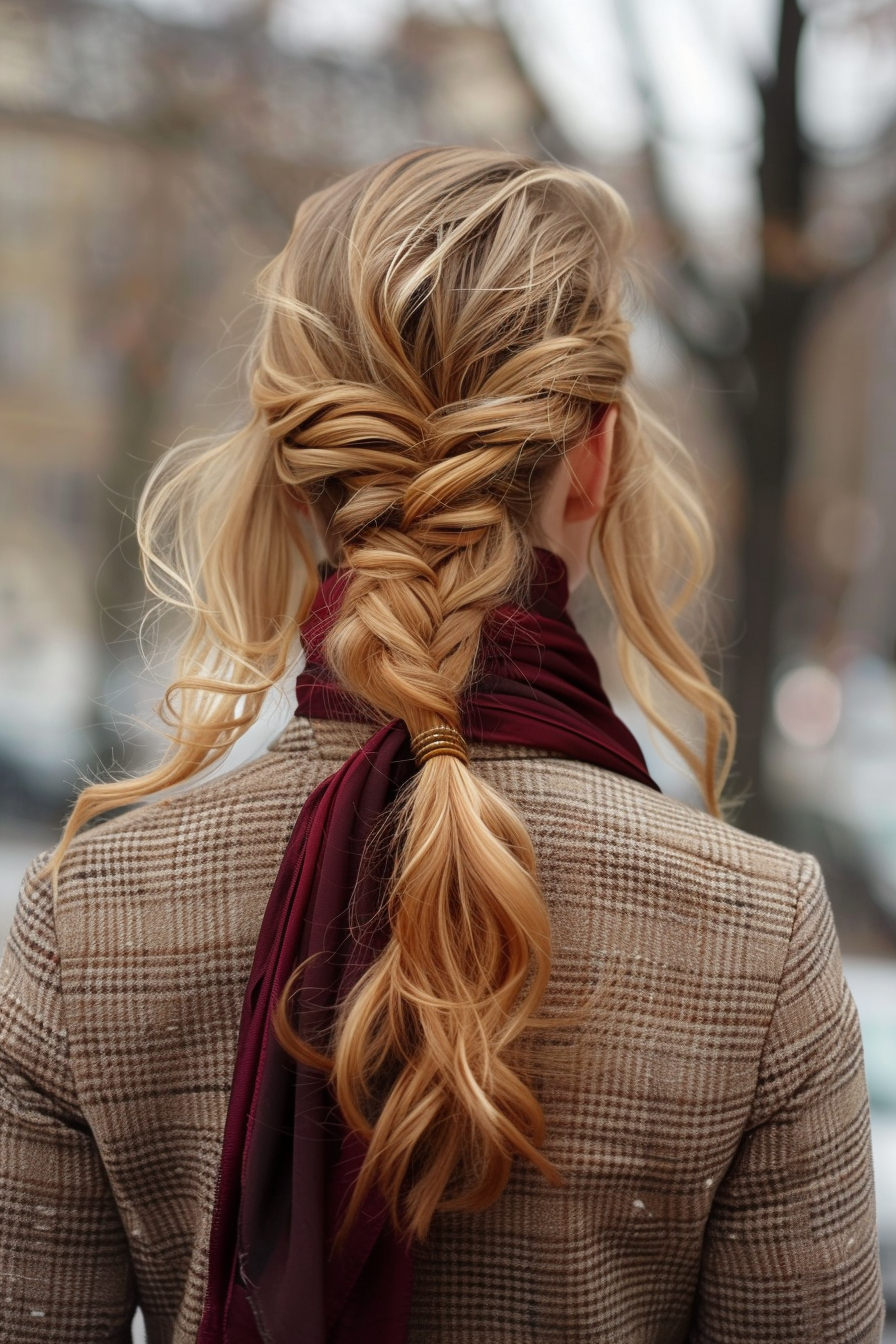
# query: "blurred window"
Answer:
x=879 y=1041
x=27 y=323
x=27 y=186
x=68 y=496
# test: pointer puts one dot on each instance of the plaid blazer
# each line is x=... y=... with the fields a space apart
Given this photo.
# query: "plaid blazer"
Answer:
x=707 y=1108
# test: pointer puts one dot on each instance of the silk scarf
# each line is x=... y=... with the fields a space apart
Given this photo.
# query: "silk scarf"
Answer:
x=288 y=1162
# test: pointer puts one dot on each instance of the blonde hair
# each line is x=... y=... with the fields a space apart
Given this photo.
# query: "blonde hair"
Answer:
x=438 y=331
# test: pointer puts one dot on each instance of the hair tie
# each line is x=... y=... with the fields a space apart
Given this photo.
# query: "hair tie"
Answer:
x=440 y=741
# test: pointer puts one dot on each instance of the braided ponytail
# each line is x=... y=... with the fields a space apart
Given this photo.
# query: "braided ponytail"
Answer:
x=439 y=331
x=469 y=956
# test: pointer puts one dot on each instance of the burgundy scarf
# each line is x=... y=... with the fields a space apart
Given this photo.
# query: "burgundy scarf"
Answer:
x=289 y=1163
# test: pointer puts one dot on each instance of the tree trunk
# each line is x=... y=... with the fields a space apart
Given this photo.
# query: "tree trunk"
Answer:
x=776 y=330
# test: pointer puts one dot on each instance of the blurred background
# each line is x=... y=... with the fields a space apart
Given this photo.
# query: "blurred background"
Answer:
x=151 y=157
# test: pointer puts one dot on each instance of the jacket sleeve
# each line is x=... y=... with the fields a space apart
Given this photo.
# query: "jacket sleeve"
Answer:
x=791 y=1245
x=65 y=1271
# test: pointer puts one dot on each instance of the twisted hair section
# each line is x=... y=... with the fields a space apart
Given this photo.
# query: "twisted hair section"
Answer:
x=438 y=332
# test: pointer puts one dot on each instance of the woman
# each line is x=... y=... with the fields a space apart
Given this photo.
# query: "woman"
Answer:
x=494 y=1042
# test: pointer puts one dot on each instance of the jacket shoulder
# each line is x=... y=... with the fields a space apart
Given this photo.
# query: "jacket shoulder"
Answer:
x=219 y=841
x=594 y=829
x=156 y=821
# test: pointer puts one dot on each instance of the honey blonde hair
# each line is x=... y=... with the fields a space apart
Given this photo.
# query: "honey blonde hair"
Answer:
x=438 y=331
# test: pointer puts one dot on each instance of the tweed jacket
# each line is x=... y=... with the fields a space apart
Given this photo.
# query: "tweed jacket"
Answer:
x=706 y=1104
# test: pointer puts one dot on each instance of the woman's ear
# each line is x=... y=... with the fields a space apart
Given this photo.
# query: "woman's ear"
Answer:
x=589 y=469
x=575 y=497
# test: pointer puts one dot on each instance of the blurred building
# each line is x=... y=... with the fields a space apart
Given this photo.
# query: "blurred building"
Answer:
x=147 y=169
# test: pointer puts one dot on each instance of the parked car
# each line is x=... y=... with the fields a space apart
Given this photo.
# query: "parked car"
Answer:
x=873 y=985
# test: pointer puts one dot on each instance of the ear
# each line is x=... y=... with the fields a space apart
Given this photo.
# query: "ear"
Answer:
x=589 y=469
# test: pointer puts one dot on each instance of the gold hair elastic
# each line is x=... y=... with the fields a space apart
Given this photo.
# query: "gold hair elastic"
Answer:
x=440 y=741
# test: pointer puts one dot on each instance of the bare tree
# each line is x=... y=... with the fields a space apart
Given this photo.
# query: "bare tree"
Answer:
x=760 y=377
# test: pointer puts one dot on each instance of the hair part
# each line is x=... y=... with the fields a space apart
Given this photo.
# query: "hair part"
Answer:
x=438 y=332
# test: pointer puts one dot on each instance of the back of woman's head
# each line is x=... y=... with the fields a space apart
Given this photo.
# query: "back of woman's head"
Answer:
x=438 y=332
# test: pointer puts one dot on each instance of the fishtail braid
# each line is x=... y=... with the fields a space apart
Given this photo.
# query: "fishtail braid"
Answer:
x=469 y=955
